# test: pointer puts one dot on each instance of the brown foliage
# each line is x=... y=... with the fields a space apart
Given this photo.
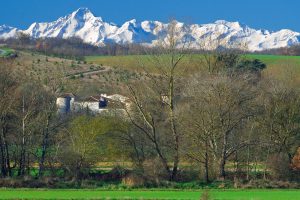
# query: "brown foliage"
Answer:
x=133 y=180
x=296 y=161
x=280 y=166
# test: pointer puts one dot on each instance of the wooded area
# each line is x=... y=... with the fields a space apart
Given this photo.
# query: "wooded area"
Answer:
x=227 y=121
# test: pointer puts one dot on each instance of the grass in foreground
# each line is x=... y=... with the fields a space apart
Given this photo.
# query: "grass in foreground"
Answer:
x=149 y=194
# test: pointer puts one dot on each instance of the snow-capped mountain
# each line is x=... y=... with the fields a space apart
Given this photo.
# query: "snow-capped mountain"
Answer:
x=91 y=29
x=81 y=23
x=7 y=32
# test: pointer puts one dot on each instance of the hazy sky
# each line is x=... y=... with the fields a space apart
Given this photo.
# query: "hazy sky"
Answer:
x=266 y=14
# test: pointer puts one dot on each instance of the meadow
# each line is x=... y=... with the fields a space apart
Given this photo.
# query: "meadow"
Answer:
x=149 y=194
x=274 y=63
x=4 y=52
x=132 y=60
x=106 y=73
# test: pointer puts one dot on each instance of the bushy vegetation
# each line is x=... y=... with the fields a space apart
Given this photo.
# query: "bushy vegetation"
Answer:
x=216 y=120
x=35 y=138
x=71 y=48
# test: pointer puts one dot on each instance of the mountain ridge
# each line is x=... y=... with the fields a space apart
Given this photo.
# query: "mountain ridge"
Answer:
x=94 y=30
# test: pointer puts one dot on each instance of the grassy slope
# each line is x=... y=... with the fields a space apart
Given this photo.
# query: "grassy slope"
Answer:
x=6 y=52
x=269 y=59
x=148 y=194
x=284 y=68
x=110 y=81
x=278 y=64
x=38 y=66
x=136 y=61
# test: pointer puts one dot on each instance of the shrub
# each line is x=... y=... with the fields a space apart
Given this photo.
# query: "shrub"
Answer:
x=154 y=171
x=188 y=174
x=133 y=180
x=279 y=166
x=296 y=161
x=117 y=173
x=259 y=183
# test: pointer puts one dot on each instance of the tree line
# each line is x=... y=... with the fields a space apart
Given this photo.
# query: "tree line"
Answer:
x=71 y=48
x=76 y=48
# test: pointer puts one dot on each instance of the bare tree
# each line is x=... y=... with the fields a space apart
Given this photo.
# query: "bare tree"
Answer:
x=221 y=109
x=280 y=121
x=8 y=86
x=164 y=88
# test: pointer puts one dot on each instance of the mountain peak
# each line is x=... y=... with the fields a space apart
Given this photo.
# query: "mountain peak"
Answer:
x=7 y=31
x=228 y=23
x=130 y=23
x=82 y=10
x=93 y=30
x=221 y=21
x=83 y=13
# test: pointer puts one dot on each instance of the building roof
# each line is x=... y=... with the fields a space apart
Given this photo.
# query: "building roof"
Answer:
x=95 y=98
x=118 y=97
x=64 y=95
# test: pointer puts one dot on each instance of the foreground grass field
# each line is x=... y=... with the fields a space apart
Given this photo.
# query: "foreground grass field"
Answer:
x=149 y=194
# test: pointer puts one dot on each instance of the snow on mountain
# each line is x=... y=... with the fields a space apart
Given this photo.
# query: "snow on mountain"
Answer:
x=83 y=24
x=131 y=32
x=230 y=33
x=7 y=32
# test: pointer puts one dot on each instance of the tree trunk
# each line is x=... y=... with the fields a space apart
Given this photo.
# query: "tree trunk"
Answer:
x=222 y=172
x=265 y=167
x=163 y=160
x=3 y=157
x=21 y=171
x=206 y=175
x=44 y=148
x=173 y=128
x=248 y=163
x=176 y=149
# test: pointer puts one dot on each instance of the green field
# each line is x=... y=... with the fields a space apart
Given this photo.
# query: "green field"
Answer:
x=4 y=52
x=133 y=61
x=149 y=194
x=278 y=66
x=275 y=63
x=271 y=59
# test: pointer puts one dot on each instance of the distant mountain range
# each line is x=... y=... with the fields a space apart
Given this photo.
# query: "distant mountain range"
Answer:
x=83 y=24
